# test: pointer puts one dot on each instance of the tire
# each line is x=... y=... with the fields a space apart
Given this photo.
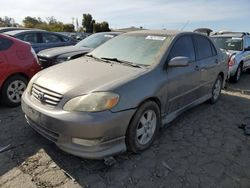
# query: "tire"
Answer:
x=216 y=90
x=12 y=90
x=237 y=75
x=147 y=131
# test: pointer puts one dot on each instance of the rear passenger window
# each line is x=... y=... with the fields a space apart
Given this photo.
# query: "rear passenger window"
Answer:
x=5 y=44
x=203 y=47
x=183 y=47
x=28 y=37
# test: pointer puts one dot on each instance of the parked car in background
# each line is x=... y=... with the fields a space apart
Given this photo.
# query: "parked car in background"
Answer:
x=54 y=56
x=118 y=96
x=18 y=63
x=237 y=45
x=204 y=31
x=5 y=29
x=41 y=40
x=76 y=35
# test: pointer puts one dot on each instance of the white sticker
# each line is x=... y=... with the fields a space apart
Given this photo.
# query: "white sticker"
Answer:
x=234 y=38
x=109 y=36
x=155 y=38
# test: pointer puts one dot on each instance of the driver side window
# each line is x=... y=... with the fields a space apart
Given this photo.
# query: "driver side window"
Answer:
x=183 y=47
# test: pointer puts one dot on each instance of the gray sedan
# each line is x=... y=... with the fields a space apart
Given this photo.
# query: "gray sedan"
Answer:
x=119 y=95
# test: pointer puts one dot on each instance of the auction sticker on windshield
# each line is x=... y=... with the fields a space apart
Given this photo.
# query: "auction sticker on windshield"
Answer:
x=155 y=38
x=109 y=36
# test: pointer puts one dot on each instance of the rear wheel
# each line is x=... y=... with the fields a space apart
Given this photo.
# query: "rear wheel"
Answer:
x=12 y=90
x=143 y=128
x=216 y=91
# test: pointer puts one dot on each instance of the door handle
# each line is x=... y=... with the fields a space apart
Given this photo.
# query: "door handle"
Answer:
x=216 y=61
x=197 y=68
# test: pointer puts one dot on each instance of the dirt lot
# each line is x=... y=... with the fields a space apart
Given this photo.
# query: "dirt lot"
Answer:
x=202 y=148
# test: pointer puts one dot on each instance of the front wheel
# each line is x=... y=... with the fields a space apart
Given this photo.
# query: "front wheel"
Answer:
x=216 y=90
x=12 y=90
x=143 y=128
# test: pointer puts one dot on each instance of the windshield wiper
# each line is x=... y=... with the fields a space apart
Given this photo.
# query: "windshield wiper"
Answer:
x=122 y=62
x=97 y=58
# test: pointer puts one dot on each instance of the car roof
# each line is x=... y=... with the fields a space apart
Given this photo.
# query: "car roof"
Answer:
x=15 y=32
x=230 y=34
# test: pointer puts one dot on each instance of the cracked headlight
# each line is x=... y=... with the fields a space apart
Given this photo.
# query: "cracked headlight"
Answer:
x=93 y=102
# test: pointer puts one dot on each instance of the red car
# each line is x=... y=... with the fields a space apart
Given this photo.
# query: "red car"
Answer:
x=18 y=63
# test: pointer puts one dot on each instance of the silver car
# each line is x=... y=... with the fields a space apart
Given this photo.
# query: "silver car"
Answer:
x=237 y=46
x=119 y=95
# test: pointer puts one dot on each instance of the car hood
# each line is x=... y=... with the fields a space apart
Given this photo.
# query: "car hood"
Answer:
x=84 y=75
x=53 y=52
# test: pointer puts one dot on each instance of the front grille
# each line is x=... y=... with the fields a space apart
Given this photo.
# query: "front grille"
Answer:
x=45 y=96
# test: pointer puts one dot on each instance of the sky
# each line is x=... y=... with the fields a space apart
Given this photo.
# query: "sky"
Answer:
x=151 y=14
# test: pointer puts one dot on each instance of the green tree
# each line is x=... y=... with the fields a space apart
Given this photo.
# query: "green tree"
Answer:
x=101 y=27
x=87 y=23
x=68 y=28
x=32 y=22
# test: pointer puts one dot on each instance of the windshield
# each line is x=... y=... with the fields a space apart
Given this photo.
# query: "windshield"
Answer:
x=228 y=43
x=95 y=40
x=137 y=49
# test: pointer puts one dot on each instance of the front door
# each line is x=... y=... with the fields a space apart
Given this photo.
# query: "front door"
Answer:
x=183 y=82
x=208 y=61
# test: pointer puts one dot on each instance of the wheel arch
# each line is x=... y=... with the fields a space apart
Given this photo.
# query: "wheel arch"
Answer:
x=14 y=74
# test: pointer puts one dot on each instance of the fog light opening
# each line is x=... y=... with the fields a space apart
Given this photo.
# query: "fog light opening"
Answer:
x=85 y=142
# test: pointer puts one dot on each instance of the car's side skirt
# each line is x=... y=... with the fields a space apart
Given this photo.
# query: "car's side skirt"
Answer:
x=170 y=117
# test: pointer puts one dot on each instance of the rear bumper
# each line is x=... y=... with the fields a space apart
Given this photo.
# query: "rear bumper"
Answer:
x=106 y=128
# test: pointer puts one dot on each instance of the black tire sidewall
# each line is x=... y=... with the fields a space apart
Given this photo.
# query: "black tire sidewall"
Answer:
x=131 y=139
x=4 y=97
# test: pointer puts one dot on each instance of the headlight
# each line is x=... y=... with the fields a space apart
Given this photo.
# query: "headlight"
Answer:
x=93 y=102
x=62 y=59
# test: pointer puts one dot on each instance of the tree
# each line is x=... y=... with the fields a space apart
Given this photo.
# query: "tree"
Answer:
x=68 y=28
x=87 y=23
x=51 y=25
x=32 y=22
x=101 y=27
x=7 y=22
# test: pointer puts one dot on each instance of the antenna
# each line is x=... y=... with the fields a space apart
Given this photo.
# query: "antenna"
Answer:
x=185 y=25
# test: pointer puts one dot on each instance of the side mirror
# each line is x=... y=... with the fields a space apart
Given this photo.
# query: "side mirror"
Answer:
x=180 y=61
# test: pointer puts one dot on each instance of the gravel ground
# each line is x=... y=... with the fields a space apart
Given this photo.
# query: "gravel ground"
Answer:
x=202 y=148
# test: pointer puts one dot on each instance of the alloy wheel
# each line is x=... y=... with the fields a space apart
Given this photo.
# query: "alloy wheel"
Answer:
x=15 y=90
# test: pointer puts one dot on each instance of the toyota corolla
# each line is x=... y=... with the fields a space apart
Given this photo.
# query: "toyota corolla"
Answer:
x=119 y=95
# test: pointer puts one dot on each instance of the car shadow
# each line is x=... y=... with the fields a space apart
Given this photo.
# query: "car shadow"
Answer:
x=34 y=155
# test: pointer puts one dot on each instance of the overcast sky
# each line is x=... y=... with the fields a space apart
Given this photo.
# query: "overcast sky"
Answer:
x=157 y=14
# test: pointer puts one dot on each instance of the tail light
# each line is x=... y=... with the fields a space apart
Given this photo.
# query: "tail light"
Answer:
x=34 y=54
x=231 y=61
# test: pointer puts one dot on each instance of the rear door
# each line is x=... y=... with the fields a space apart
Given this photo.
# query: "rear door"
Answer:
x=183 y=82
x=5 y=44
x=208 y=61
x=32 y=38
